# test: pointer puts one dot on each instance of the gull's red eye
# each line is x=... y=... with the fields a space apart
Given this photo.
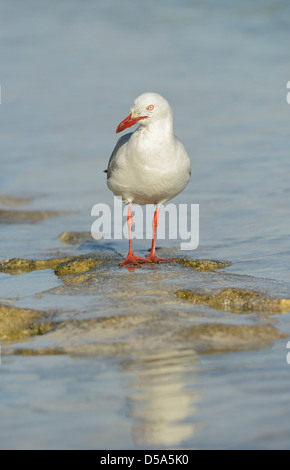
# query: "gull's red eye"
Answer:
x=150 y=108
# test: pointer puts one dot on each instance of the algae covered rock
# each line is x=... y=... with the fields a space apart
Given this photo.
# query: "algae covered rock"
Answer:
x=203 y=265
x=237 y=301
x=74 y=269
x=76 y=266
x=22 y=266
x=17 y=323
x=17 y=266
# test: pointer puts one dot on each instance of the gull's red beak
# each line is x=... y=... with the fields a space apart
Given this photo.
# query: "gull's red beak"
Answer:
x=128 y=122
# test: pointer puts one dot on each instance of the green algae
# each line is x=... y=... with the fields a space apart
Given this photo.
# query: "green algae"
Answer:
x=17 y=323
x=237 y=301
x=203 y=265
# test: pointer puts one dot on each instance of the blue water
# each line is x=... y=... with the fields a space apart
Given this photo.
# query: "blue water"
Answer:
x=70 y=71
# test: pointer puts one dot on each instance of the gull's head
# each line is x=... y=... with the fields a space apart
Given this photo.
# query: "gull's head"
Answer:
x=147 y=108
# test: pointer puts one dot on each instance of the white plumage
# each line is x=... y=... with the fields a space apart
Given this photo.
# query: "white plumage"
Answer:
x=150 y=165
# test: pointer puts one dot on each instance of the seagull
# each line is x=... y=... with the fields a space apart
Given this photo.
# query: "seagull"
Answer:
x=148 y=166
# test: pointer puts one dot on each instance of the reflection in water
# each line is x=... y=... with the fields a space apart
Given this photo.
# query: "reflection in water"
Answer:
x=162 y=397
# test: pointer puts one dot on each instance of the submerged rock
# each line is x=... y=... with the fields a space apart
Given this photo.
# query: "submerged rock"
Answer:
x=76 y=279
x=237 y=301
x=126 y=335
x=17 y=323
x=203 y=265
x=218 y=338
x=26 y=217
x=10 y=200
x=75 y=238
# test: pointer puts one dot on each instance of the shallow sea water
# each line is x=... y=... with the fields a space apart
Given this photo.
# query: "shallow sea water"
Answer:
x=124 y=367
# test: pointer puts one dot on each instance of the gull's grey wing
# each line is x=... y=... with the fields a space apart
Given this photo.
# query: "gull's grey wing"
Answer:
x=122 y=141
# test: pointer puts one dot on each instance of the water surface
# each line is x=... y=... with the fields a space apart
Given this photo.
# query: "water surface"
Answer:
x=70 y=72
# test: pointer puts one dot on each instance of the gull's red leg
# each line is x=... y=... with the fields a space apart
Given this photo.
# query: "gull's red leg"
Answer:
x=131 y=258
x=152 y=256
